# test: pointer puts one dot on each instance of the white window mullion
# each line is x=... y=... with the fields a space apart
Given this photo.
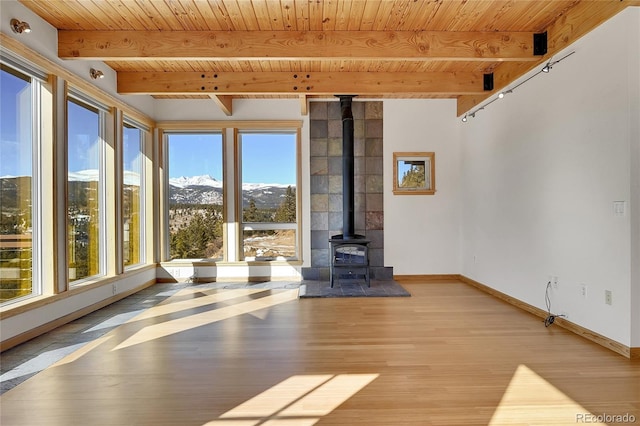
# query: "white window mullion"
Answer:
x=22 y=65
x=87 y=100
x=36 y=188
x=143 y=197
x=105 y=229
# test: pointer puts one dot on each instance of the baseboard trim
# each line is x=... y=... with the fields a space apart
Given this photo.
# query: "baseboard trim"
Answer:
x=426 y=278
x=626 y=351
x=44 y=328
x=163 y=280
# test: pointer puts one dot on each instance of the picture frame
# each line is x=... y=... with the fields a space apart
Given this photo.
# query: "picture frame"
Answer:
x=414 y=173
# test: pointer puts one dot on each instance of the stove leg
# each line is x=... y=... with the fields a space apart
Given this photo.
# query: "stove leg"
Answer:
x=331 y=274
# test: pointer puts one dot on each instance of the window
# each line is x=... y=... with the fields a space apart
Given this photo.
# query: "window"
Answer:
x=414 y=173
x=18 y=177
x=85 y=189
x=133 y=194
x=195 y=195
x=268 y=194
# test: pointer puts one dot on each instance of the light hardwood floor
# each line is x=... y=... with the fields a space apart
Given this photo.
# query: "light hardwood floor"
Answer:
x=448 y=355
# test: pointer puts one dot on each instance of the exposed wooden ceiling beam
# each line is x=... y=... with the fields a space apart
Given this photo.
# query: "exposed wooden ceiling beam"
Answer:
x=311 y=83
x=578 y=21
x=304 y=105
x=225 y=102
x=295 y=45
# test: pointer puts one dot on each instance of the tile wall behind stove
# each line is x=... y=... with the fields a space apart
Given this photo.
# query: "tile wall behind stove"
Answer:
x=326 y=183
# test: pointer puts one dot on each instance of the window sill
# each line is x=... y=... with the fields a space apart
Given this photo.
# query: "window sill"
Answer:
x=35 y=302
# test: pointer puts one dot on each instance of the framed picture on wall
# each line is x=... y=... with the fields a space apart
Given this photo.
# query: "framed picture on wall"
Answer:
x=414 y=173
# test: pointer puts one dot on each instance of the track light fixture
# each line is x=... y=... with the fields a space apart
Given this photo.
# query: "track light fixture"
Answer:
x=96 y=74
x=551 y=63
x=20 y=27
x=502 y=94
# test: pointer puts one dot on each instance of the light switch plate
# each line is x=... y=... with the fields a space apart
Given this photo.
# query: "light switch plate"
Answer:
x=619 y=208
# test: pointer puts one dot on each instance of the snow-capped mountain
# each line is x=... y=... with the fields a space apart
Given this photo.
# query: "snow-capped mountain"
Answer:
x=91 y=175
x=204 y=180
x=200 y=189
x=258 y=186
x=84 y=175
x=207 y=190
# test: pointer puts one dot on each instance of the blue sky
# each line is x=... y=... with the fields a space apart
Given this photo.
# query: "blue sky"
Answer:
x=131 y=149
x=83 y=147
x=195 y=155
x=15 y=160
x=267 y=158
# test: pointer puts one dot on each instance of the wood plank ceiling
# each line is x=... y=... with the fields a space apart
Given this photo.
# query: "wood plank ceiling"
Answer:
x=315 y=48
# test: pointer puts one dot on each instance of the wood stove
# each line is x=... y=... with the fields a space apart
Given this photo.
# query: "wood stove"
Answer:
x=350 y=258
x=349 y=251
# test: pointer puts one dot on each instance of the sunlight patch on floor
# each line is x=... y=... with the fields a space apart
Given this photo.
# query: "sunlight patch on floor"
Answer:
x=83 y=351
x=211 y=296
x=169 y=327
x=298 y=400
x=281 y=395
x=531 y=400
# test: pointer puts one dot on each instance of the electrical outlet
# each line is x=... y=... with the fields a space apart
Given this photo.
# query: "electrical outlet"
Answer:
x=114 y=288
x=583 y=290
x=608 y=298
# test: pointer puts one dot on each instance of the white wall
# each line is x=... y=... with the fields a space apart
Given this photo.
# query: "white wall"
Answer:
x=633 y=47
x=243 y=109
x=541 y=169
x=421 y=232
x=77 y=304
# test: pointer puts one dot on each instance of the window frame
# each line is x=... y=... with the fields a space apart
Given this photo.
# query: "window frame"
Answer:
x=266 y=226
x=79 y=98
x=36 y=78
x=229 y=128
x=49 y=199
x=428 y=162
x=195 y=130
x=142 y=246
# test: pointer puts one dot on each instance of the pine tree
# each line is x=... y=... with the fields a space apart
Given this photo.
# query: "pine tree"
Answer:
x=286 y=212
x=414 y=177
x=250 y=213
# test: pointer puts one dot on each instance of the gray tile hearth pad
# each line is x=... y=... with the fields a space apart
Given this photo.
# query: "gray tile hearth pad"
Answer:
x=355 y=288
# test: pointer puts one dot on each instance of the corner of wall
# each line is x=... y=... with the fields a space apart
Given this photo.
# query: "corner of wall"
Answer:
x=634 y=138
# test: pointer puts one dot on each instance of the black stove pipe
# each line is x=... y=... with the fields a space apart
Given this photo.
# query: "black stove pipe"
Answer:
x=348 y=179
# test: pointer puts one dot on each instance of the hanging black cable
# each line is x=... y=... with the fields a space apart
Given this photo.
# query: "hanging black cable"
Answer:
x=551 y=318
